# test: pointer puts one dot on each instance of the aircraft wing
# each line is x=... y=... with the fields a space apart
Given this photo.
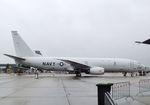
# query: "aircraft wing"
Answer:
x=147 y=41
x=144 y=42
x=76 y=65
x=14 y=57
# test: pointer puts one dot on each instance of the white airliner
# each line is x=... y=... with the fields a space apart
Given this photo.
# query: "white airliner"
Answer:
x=95 y=66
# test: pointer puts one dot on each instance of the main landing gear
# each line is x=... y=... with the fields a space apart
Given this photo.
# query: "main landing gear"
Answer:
x=142 y=73
x=78 y=74
x=125 y=74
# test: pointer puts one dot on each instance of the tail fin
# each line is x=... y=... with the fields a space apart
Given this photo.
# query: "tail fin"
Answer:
x=21 y=48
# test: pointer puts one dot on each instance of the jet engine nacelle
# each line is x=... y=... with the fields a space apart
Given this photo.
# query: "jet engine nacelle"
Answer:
x=96 y=71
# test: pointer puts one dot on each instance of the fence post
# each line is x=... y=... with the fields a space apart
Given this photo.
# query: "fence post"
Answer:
x=102 y=89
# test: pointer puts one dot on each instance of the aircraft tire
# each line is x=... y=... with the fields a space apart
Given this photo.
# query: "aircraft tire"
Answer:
x=125 y=74
x=140 y=73
x=78 y=75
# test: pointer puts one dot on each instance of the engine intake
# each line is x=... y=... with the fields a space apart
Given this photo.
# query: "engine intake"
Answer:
x=96 y=71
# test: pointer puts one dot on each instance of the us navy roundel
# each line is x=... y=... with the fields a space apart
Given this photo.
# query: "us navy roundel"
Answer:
x=61 y=63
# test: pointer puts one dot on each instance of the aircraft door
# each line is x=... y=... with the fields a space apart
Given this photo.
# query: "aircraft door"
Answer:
x=131 y=65
x=86 y=62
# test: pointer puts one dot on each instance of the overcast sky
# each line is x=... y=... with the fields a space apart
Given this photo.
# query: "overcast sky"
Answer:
x=77 y=28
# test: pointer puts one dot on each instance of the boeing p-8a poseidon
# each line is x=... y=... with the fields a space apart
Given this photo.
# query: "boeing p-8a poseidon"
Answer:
x=95 y=66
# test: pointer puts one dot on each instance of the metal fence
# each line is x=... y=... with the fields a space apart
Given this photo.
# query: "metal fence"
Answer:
x=109 y=100
x=144 y=85
x=120 y=90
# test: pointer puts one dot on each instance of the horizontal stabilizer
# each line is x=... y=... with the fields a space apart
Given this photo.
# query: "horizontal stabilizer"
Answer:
x=14 y=57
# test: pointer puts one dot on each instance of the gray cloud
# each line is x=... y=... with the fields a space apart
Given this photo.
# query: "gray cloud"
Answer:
x=77 y=28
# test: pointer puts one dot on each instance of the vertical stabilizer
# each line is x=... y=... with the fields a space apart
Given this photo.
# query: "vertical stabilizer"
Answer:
x=21 y=48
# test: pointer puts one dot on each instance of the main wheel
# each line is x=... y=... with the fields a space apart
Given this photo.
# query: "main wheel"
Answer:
x=141 y=73
x=125 y=74
x=78 y=74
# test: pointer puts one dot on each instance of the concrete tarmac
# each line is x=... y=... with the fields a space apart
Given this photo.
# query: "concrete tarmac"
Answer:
x=59 y=89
